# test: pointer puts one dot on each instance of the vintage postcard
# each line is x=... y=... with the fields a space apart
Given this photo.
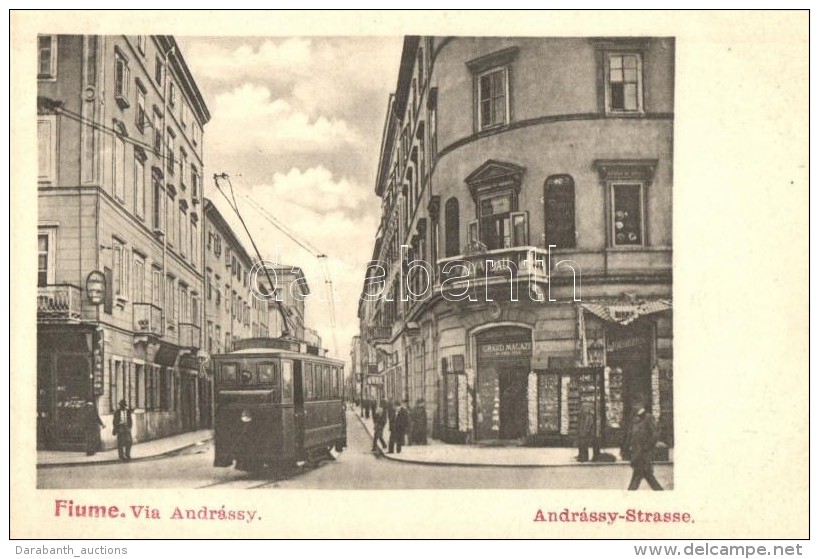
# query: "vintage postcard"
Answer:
x=505 y=274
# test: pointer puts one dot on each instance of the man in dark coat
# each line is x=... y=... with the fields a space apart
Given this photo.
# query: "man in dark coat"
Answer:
x=391 y=414
x=400 y=427
x=419 y=423
x=379 y=421
x=642 y=438
x=122 y=429
x=93 y=423
x=585 y=432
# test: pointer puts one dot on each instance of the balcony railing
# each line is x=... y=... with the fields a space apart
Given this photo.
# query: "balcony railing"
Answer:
x=495 y=266
x=147 y=319
x=188 y=335
x=59 y=303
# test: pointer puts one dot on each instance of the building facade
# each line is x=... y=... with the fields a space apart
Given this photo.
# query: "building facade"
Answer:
x=120 y=192
x=522 y=265
x=232 y=311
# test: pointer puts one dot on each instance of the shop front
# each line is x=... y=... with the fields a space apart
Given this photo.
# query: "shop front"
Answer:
x=503 y=365
x=65 y=382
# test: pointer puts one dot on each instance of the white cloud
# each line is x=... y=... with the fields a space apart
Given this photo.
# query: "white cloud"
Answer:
x=247 y=118
x=210 y=60
x=314 y=188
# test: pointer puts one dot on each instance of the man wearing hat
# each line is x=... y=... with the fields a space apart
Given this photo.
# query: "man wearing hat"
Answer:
x=642 y=438
x=122 y=429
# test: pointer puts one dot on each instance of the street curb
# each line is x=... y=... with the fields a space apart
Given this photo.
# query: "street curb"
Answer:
x=475 y=465
x=108 y=462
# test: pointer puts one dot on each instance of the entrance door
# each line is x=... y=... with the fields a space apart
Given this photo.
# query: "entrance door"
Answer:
x=73 y=390
x=512 y=385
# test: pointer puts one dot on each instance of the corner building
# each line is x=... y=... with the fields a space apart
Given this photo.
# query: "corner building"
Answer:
x=534 y=175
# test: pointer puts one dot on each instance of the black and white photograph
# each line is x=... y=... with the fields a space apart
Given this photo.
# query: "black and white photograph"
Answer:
x=355 y=262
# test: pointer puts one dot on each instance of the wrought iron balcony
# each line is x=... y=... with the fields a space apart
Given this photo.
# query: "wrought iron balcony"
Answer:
x=59 y=303
x=188 y=335
x=495 y=266
x=147 y=319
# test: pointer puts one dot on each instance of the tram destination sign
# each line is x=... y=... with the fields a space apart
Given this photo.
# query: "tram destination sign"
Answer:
x=504 y=349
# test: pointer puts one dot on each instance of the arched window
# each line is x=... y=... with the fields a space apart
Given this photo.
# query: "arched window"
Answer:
x=452 y=225
x=558 y=197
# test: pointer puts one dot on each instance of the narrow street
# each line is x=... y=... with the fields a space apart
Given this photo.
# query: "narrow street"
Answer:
x=355 y=468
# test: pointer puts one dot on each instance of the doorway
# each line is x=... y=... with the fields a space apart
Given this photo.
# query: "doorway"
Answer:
x=512 y=389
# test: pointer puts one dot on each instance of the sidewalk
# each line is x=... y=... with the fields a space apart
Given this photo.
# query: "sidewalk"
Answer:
x=443 y=454
x=140 y=451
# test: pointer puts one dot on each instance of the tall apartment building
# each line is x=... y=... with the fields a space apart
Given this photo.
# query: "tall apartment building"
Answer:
x=232 y=311
x=120 y=191
x=522 y=265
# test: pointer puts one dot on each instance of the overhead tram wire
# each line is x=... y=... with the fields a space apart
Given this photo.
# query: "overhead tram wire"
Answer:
x=309 y=247
x=287 y=330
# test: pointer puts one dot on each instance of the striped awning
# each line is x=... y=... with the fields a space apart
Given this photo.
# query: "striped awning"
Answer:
x=626 y=313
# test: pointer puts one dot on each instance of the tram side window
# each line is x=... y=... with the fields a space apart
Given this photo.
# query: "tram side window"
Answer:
x=308 y=381
x=317 y=382
x=229 y=372
x=334 y=380
x=328 y=389
x=287 y=382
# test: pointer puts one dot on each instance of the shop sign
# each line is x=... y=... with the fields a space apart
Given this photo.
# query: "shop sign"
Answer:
x=625 y=343
x=505 y=349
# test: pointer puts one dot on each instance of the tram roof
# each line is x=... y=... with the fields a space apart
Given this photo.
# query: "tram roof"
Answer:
x=281 y=353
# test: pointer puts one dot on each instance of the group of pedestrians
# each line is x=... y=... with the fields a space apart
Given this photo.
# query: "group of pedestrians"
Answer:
x=123 y=422
x=405 y=425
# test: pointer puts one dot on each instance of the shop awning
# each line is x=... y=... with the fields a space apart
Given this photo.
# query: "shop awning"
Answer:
x=627 y=313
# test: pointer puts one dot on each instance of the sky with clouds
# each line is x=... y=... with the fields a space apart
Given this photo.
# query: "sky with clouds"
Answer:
x=296 y=122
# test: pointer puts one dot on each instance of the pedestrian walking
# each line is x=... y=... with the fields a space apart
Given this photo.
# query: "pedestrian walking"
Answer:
x=585 y=431
x=366 y=409
x=642 y=439
x=400 y=427
x=379 y=422
x=122 y=429
x=93 y=424
x=390 y=410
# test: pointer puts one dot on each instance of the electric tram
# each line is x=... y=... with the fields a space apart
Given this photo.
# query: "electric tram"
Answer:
x=278 y=403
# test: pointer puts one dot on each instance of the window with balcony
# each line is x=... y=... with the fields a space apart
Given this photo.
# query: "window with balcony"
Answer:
x=46 y=57
x=122 y=80
x=624 y=83
x=558 y=199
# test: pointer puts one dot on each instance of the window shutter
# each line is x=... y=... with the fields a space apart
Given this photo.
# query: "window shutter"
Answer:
x=109 y=290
